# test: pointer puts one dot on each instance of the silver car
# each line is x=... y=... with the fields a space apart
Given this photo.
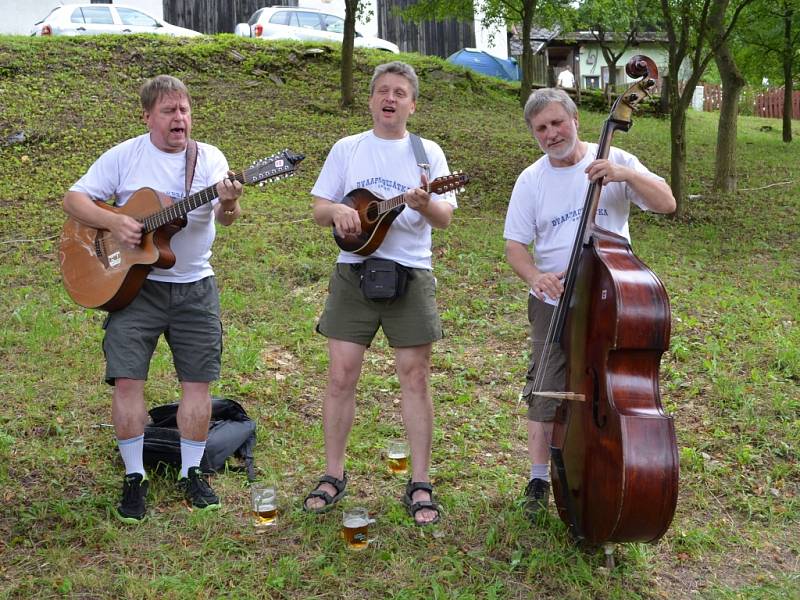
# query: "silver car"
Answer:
x=88 y=19
x=304 y=24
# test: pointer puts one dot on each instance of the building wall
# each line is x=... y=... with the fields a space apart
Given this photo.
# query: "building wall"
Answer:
x=591 y=62
x=19 y=17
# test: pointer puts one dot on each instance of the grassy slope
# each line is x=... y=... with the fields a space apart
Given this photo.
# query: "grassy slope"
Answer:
x=732 y=376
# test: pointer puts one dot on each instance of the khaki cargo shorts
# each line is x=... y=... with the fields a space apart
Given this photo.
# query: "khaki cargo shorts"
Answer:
x=553 y=378
x=411 y=320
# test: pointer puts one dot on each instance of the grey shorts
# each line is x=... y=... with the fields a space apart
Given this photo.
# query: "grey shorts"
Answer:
x=553 y=378
x=188 y=316
x=411 y=320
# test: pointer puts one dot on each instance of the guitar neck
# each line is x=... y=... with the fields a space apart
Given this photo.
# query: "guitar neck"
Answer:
x=180 y=209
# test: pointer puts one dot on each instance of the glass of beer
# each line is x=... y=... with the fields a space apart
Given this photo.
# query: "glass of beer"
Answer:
x=397 y=456
x=264 y=500
x=355 y=528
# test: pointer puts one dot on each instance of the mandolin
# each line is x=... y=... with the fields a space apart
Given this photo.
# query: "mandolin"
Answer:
x=100 y=273
x=377 y=215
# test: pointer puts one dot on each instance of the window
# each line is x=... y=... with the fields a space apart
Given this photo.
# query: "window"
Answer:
x=308 y=20
x=128 y=16
x=254 y=19
x=333 y=24
x=591 y=82
x=281 y=18
x=94 y=15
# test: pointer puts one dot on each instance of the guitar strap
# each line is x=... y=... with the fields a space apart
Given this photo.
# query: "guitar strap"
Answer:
x=419 y=155
x=191 y=162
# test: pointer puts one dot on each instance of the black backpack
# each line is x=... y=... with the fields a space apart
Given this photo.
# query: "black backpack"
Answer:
x=230 y=433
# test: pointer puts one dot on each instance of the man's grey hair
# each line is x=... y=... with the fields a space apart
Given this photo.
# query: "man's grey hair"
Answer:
x=539 y=99
x=398 y=68
x=158 y=86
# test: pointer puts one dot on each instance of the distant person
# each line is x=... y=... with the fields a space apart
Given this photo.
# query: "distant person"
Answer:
x=181 y=302
x=383 y=161
x=544 y=212
x=566 y=79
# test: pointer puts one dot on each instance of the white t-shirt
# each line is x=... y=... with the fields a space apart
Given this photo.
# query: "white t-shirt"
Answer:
x=547 y=203
x=137 y=163
x=387 y=168
x=566 y=79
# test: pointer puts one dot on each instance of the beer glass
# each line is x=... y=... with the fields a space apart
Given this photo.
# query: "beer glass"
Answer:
x=397 y=456
x=355 y=528
x=264 y=500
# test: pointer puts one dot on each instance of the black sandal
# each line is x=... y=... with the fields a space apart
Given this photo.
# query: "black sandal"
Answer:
x=339 y=484
x=414 y=507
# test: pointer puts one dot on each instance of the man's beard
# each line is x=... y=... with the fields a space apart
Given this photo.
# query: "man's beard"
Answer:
x=567 y=148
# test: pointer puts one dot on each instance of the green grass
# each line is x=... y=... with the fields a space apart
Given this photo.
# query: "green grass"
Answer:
x=731 y=377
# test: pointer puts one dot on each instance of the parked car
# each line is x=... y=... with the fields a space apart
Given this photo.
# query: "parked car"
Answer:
x=304 y=24
x=89 y=19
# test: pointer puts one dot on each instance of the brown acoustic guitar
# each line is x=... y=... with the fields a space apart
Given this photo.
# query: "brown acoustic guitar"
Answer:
x=100 y=273
x=377 y=215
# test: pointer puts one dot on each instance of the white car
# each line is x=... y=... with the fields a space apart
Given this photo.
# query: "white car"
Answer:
x=89 y=19
x=304 y=24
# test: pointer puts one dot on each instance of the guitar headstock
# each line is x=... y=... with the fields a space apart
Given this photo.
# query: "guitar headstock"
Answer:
x=278 y=166
x=454 y=182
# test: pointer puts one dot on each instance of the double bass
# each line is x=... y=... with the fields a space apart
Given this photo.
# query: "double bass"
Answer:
x=613 y=453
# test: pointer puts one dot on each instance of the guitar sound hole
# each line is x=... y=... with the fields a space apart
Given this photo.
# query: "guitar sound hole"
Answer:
x=372 y=211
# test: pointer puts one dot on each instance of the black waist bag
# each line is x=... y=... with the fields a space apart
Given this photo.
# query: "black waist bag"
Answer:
x=230 y=433
x=383 y=279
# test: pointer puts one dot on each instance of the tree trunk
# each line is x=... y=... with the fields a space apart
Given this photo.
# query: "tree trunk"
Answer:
x=677 y=127
x=348 y=94
x=788 y=56
x=528 y=8
x=732 y=83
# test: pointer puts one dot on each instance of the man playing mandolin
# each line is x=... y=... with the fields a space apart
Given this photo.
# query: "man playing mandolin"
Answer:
x=182 y=302
x=383 y=161
x=545 y=208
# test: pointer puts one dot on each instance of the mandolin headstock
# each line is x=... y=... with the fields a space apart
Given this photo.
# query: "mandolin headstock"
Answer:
x=454 y=182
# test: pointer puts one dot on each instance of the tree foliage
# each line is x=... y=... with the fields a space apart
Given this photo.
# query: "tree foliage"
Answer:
x=616 y=25
x=543 y=13
x=760 y=44
x=767 y=47
x=691 y=40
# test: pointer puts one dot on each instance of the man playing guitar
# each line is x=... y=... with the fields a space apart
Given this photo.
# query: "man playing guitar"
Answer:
x=181 y=302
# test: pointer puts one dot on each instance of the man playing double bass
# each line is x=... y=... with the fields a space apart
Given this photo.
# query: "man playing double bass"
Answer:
x=544 y=211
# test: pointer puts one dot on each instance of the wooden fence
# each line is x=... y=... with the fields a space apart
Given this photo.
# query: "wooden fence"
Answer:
x=767 y=104
x=213 y=16
x=436 y=38
x=770 y=104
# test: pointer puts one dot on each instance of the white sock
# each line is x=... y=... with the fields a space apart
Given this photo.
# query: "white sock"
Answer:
x=540 y=472
x=131 y=451
x=191 y=455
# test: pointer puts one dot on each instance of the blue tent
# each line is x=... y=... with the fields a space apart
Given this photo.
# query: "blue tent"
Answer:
x=485 y=63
